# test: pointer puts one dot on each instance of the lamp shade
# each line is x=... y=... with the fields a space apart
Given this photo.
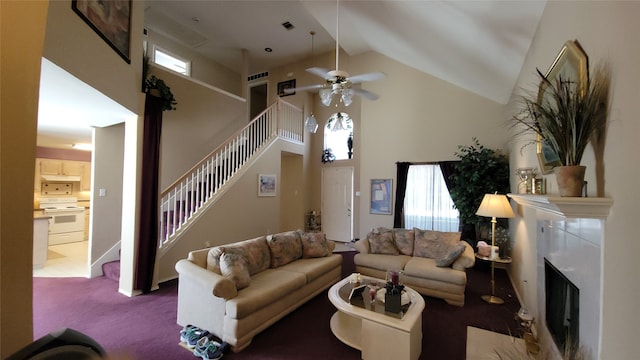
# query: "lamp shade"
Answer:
x=494 y=205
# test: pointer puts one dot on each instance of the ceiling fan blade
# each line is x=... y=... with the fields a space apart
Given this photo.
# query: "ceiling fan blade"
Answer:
x=303 y=88
x=318 y=71
x=372 y=76
x=365 y=94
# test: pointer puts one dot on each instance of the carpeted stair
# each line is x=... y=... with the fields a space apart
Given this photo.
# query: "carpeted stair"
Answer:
x=111 y=270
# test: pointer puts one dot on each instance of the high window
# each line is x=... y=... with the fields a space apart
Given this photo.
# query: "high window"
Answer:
x=171 y=61
x=427 y=203
x=338 y=136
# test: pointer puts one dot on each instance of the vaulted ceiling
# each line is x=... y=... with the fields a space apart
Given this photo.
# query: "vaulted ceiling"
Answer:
x=478 y=45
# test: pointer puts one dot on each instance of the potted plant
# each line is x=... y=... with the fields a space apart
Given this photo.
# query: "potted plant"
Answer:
x=566 y=117
x=156 y=87
x=480 y=171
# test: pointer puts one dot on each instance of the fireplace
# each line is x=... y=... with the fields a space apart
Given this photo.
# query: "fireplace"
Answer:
x=569 y=236
x=562 y=303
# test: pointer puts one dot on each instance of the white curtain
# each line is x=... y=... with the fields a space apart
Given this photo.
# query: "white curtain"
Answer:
x=427 y=204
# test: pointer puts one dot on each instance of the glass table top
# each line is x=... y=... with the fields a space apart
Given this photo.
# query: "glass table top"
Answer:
x=367 y=299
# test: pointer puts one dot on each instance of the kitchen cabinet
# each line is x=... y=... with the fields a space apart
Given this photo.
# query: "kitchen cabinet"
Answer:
x=37 y=183
x=82 y=169
x=40 y=240
x=85 y=179
x=61 y=167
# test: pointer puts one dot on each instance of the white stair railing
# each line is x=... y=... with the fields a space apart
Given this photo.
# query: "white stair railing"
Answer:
x=181 y=202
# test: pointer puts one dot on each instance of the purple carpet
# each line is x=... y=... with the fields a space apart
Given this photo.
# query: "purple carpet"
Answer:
x=145 y=326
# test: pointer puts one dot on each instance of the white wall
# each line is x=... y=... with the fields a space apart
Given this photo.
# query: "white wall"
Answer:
x=106 y=210
x=607 y=30
x=22 y=25
x=204 y=117
x=417 y=118
x=202 y=68
x=72 y=45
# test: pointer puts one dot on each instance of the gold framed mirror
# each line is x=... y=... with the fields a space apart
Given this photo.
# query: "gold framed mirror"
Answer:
x=571 y=63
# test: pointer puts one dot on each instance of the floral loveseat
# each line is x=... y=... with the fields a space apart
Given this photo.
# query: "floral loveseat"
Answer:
x=237 y=290
x=433 y=263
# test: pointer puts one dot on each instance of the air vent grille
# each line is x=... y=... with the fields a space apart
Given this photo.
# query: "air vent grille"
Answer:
x=258 y=76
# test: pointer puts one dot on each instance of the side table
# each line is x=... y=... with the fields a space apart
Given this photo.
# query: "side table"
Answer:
x=500 y=263
x=497 y=262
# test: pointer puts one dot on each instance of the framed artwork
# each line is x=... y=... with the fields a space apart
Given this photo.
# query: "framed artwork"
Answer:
x=283 y=85
x=266 y=185
x=380 y=196
x=572 y=64
x=110 y=19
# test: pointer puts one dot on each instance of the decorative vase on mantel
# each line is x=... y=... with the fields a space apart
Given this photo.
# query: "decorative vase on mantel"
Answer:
x=570 y=180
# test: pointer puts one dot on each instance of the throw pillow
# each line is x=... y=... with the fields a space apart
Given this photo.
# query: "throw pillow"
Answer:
x=234 y=267
x=285 y=248
x=382 y=243
x=432 y=244
x=314 y=245
x=225 y=288
x=450 y=255
x=213 y=257
x=464 y=262
x=362 y=245
x=404 y=240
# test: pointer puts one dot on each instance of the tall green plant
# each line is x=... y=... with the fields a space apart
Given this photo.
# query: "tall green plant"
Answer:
x=480 y=171
x=568 y=116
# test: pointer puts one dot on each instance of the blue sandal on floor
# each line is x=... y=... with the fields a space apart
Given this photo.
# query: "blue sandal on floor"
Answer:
x=209 y=349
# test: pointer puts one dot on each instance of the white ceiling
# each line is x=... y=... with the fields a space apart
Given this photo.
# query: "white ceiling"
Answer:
x=478 y=45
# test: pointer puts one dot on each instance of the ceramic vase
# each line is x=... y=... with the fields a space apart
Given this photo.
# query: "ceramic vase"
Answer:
x=570 y=180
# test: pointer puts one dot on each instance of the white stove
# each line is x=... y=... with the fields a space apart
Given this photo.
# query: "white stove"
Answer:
x=67 y=219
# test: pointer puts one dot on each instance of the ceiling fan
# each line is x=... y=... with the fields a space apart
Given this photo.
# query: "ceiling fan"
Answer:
x=338 y=82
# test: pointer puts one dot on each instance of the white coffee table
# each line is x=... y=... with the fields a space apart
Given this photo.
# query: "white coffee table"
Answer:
x=376 y=334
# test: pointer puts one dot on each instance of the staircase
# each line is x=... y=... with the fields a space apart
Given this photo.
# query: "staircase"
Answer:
x=111 y=270
x=184 y=200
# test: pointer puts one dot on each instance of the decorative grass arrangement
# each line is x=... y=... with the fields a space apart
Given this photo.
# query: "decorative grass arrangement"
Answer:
x=568 y=116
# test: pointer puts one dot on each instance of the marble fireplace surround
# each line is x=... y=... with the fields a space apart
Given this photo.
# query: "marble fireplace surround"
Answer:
x=570 y=234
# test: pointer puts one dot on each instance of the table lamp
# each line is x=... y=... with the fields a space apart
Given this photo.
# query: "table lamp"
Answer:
x=494 y=206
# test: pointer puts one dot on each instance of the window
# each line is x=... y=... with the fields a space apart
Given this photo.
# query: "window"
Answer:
x=171 y=62
x=338 y=136
x=427 y=203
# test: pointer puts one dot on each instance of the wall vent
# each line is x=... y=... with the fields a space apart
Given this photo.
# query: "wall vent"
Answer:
x=258 y=76
x=287 y=25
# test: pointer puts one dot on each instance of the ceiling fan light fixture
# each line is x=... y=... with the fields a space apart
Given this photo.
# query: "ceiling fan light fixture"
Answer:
x=325 y=96
x=347 y=96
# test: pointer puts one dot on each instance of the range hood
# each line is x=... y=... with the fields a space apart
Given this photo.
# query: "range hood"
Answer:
x=65 y=178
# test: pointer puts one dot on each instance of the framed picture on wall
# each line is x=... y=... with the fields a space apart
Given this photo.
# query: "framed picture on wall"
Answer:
x=571 y=63
x=284 y=85
x=109 y=19
x=380 y=196
x=266 y=185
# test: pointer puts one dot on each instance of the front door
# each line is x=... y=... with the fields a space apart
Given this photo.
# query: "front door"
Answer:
x=337 y=202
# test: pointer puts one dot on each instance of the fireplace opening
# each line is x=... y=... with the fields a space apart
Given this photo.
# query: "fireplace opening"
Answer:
x=562 y=300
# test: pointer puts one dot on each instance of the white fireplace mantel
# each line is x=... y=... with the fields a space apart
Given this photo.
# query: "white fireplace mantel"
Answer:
x=569 y=207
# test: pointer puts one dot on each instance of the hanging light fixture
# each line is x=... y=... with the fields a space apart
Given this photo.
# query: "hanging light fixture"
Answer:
x=311 y=123
x=341 y=87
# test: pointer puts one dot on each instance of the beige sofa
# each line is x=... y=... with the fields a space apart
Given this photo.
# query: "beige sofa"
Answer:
x=237 y=290
x=433 y=263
